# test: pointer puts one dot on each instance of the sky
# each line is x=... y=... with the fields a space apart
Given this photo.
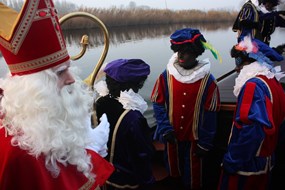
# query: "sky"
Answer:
x=169 y=4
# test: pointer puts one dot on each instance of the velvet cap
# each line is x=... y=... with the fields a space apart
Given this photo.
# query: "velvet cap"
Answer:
x=127 y=70
x=268 y=51
x=257 y=50
x=186 y=35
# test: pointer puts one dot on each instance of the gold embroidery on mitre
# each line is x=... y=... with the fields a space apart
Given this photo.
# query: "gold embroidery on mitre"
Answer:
x=21 y=30
x=38 y=63
x=31 y=15
x=23 y=27
x=53 y=18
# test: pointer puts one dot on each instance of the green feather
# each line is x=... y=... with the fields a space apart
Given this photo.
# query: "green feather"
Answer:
x=215 y=53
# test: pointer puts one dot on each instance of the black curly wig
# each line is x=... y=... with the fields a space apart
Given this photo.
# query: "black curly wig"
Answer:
x=240 y=56
x=274 y=2
x=195 y=48
x=116 y=87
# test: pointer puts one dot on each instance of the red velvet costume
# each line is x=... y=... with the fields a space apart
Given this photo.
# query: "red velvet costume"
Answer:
x=31 y=40
x=188 y=108
x=19 y=170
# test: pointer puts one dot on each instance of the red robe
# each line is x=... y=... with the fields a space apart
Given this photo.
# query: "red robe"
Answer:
x=19 y=170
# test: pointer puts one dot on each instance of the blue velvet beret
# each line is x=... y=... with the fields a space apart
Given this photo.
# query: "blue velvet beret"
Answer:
x=127 y=70
x=268 y=51
x=260 y=51
x=186 y=35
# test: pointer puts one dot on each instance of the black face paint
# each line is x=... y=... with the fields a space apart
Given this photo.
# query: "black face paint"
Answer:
x=187 y=60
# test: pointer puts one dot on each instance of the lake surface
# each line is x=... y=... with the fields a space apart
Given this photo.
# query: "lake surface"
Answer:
x=151 y=43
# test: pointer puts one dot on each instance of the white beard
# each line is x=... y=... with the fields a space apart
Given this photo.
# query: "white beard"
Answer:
x=49 y=122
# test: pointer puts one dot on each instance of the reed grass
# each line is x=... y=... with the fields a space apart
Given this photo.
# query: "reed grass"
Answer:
x=116 y=17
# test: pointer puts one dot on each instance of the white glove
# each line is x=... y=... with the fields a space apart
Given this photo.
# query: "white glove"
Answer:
x=99 y=137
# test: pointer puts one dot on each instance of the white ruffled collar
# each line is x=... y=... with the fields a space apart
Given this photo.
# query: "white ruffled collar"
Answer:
x=191 y=75
x=129 y=99
x=252 y=70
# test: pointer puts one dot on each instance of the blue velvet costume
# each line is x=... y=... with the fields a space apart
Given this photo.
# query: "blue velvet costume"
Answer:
x=133 y=145
x=259 y=114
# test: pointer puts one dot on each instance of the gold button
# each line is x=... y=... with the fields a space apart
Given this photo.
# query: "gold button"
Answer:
x=181 y=127
x=183 y=106
x=182 y=117
x=184 y=93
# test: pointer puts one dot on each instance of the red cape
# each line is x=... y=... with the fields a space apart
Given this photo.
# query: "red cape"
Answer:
x=19 y=170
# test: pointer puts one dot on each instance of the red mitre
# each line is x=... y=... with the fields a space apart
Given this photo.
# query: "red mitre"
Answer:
x=31 y=41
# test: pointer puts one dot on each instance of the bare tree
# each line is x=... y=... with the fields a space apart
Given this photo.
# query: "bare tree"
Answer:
x=132 y=5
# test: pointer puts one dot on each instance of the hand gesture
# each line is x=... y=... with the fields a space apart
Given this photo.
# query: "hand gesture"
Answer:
x=170 y=137
x=200 y=152
x=99 y=136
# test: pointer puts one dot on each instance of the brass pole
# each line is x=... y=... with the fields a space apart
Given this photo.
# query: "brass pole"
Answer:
x=92 y=77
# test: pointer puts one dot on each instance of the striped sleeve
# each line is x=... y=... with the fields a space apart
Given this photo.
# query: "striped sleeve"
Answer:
x=212 y=102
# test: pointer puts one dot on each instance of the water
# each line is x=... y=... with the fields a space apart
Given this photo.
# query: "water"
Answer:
x=152 y=45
